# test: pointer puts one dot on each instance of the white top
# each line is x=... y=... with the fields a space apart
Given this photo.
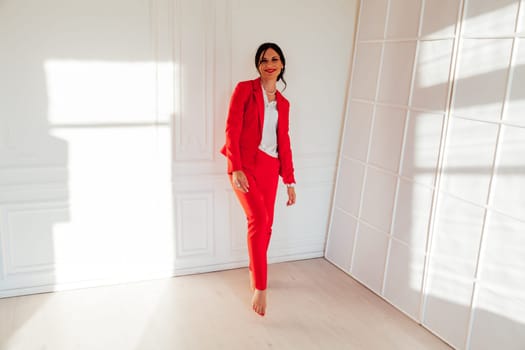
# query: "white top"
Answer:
x=269 y=136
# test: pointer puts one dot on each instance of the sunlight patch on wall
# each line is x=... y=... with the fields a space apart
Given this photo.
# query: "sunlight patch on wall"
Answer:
x=119 y=161
x=490 y=17
x=81 y=92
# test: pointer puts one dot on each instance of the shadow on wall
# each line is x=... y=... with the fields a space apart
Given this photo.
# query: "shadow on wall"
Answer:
x=463 y=227
x=476 y=215
x=33 y=167
x=457 y=239
x=85 y=180
x=34 y=188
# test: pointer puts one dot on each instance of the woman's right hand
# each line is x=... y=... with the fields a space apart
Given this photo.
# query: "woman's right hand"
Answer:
x=239 y=180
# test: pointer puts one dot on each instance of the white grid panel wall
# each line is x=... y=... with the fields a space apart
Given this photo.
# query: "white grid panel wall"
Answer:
x=429 y=206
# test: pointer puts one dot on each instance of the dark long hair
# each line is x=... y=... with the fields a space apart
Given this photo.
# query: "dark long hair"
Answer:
x=262 y=50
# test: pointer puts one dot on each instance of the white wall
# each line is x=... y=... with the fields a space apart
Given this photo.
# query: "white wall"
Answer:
x=429 y=210
x=85 y=187
x=111 y=119
x=217 y=41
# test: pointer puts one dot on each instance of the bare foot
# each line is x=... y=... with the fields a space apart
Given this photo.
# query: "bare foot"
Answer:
x=252 y=282
x=259 y=301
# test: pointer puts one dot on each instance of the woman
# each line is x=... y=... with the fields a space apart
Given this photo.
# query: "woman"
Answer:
x=258 y=151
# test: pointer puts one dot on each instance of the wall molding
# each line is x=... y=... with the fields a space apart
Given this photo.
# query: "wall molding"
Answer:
x=186 y=203
x=8 y=236
x=198 y=145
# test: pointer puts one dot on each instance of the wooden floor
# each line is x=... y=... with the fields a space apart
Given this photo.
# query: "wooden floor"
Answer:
x=312 y=305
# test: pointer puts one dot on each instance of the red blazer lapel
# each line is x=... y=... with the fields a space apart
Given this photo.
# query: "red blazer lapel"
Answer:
x=281 y=109
x=257 y=91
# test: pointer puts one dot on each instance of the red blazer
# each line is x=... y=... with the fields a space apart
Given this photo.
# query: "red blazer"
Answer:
x=244 y=128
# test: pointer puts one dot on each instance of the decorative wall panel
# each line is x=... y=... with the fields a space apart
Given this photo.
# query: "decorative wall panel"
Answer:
x=194 y=218
x=369 y=242
x=481 y=62
x=441 y=197
x=193 y=122
x=28 y=246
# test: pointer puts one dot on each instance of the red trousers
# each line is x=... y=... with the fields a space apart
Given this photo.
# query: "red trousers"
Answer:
x=258 y=204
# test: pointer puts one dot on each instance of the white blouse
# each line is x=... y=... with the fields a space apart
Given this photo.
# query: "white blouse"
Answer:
x=269 y=136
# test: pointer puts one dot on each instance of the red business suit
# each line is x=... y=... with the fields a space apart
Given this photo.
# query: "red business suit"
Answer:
x=244 y=128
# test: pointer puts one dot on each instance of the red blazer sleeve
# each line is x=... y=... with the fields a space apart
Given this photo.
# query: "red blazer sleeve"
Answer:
x=234 y=124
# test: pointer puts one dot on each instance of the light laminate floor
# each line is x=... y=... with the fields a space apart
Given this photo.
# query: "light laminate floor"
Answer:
x=312 y=305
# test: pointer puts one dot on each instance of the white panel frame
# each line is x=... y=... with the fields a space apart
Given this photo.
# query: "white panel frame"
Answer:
x=189 y=151
x=478 y=283
x=486 y=206
x=39 y=277
x=183 y=235
x=7 y=235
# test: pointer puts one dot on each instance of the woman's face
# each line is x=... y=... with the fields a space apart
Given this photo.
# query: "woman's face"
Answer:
x=270 y=65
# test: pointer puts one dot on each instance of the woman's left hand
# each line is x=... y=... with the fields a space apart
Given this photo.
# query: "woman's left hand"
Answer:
x=291 y=196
